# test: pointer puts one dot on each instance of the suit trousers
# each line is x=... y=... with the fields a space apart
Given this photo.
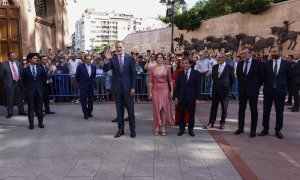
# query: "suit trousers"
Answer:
x=86 y=100
x=190 y=108
x=295 y=93
x=216 y=99
x=46 y=97
x=278 y=100
x=253 y=109
x=14 y=92
x=35 y=104
x=125 y=100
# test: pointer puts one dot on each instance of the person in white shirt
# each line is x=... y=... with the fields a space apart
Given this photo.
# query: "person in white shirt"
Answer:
x=73 y=63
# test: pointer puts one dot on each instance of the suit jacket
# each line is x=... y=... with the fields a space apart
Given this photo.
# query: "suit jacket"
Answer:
x=125 y=81
x=6 y=74
x=249 y=84
x=191 y=89
x=82 y=76
x=222 y=85
x=296 y=73
x=35 y=85
x=282 y=77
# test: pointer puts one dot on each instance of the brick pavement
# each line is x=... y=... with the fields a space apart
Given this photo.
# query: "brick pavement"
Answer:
x=267 y=157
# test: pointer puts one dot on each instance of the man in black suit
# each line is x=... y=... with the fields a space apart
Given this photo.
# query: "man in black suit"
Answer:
x=250 y=77
x=276 y=74
x=34 y=80
x=296 y=82
x=123 y=86
x=187 y=95
x=11 y=72
x=290 y=59
x=223 y=79
x=85 y=76
x=44 y=61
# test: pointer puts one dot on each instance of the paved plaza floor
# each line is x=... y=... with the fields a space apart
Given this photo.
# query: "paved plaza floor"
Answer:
x=72 y=148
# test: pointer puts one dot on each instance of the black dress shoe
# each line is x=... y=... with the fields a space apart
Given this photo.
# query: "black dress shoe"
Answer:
x=119 y=134
x=209 y=125
x=191 y=133
x=41 y=125
x=252 y=134
x=126 y=119
x=279 y=135
x=288 y=103
x=222 y=126
x=295 y=110
x=114 y=120
x=23 y=113
x=86 y=117
x=90 y=115
x=31 y=126
x=133 y=135
x=238 y=132
x=49 y=112
x=263 y=133
x=9 y=116
x=180 y=133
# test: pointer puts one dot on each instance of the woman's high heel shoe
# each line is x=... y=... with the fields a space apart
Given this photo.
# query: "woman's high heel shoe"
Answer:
x=156 y=131
x=163 y=131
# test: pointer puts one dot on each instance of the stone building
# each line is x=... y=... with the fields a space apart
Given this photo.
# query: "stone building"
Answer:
x=32 y=26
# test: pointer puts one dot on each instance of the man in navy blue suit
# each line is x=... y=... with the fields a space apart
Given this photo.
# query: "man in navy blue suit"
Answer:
x=250 y=77
x=223 y=78
x=123 y=86
x=276 y=74
x=34 y=80
x=187 y=95
x=85 y=76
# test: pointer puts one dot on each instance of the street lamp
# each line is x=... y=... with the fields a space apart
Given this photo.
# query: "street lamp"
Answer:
x=170 y=13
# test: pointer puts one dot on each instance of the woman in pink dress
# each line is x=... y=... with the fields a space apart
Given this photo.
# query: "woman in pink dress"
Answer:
x=160 y=93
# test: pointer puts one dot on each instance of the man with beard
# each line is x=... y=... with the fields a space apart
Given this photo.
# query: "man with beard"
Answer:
x=276 y=74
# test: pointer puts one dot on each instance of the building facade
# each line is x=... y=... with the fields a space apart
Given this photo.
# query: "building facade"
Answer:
x=32 y=26
x=101 y=28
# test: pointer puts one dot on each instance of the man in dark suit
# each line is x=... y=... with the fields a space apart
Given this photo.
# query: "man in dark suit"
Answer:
x=11 y=72
x=34 y=80
x=296 y=82
x=250 y=77
x=276 y=74
x=223 y=78
x=123 y=86
x=44 y=61
x=290 y=59
x=85 y=76
x=187 y=95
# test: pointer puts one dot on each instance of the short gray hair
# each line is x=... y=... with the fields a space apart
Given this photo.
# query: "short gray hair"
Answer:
x=221 y=54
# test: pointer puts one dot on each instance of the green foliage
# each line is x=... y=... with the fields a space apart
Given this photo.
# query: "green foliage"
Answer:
x=190 y=19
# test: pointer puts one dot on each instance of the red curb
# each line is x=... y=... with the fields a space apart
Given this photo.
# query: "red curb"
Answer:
x=232 y=155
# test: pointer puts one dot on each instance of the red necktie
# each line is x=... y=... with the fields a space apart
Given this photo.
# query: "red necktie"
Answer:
x=16 y=77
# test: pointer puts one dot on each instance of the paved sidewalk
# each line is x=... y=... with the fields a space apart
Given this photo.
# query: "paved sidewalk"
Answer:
x=267 y=157
x=72 y=148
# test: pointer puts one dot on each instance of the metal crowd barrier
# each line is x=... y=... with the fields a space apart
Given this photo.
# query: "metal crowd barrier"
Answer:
x=64 y=87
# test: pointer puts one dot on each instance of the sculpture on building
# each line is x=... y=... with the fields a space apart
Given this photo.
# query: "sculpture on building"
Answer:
x=284 y=35
x=180 y=42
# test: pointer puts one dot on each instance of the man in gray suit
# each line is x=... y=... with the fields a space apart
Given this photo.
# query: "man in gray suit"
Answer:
x=10 y=72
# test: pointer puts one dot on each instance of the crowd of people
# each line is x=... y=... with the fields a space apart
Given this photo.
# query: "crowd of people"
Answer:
x=187 y=78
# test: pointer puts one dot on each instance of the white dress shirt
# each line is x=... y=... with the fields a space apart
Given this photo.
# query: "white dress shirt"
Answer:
x=278 y=64
x=33 y=67
x=248 y=66
x=221 y=68
x=188 y=72
x=16 y=68
x=89 y=69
